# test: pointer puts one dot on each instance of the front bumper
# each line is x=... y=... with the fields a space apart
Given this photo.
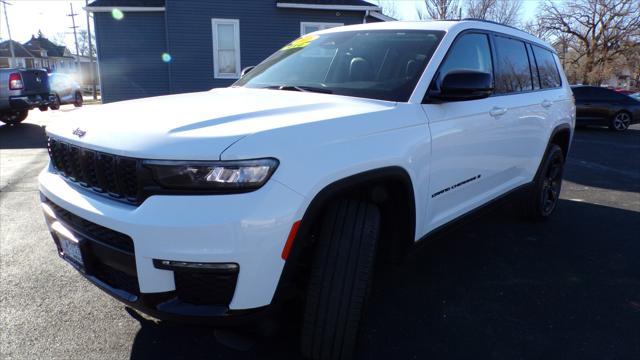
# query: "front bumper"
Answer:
x=28 y=102
x=245 y=229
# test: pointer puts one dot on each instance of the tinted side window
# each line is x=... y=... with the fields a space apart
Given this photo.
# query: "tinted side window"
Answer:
x=606 y=94
x=534 y=69
x=469 y=52
x=549 y=76
x=513 y=73
x=581 y=93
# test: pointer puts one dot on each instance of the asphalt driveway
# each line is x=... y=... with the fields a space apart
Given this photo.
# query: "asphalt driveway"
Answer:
x=493 y=288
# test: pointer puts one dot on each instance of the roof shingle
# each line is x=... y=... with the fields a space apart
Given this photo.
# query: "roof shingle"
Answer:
x=18 y=50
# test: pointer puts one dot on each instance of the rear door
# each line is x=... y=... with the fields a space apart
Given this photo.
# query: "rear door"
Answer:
x=584 y=103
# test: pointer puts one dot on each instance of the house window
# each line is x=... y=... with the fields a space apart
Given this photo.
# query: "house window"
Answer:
x=309 y=27
x=29 y=63
x=4 y=63
x=226 y=48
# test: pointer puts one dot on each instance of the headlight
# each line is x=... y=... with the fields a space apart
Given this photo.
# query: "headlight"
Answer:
x=212 y=175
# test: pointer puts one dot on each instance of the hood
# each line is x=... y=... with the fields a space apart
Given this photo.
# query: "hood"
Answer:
x=198 y=126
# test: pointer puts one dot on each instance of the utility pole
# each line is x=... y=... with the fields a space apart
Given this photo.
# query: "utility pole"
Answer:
x=91 y=68
x=6 y=17
x=75 y=36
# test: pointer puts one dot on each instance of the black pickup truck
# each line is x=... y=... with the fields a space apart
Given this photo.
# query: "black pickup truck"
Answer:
x=21 y=91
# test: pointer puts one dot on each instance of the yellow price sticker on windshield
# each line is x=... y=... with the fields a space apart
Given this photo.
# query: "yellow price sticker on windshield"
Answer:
x=300 y=42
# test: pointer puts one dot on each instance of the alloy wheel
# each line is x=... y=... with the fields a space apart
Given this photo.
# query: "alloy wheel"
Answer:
x=551 y=186
x=621 y=121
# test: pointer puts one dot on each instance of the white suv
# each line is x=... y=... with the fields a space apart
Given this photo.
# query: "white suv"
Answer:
x=345 y=145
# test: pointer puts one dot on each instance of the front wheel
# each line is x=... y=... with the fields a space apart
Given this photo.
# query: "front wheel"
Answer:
x=620 y=121
x=340 y=279
x=78 y=101
x=542 y=199
x=14 y=117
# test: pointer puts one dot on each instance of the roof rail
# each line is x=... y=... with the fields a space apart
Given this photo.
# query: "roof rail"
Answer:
x=491 y=22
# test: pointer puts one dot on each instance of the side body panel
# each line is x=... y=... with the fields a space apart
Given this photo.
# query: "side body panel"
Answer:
x=338 y=148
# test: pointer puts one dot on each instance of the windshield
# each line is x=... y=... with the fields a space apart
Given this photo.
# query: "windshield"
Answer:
x=380 y=64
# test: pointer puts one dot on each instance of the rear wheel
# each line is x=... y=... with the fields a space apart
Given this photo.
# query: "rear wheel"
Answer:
x=55 y=105
x=620 y=121
x=77 y=102
x=340 y=279
x=542 y=199
x=14 y=117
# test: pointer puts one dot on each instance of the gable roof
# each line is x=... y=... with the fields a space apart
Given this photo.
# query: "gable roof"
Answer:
x=36 y=44
x=381 y=16
x=18 y=50
x=344 y=5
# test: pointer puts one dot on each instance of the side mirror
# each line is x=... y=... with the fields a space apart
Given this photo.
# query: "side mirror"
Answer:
x=460 y=85
x=246 y=70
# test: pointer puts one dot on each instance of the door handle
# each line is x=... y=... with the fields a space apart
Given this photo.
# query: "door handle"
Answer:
x=547 y=103
x=496 y=111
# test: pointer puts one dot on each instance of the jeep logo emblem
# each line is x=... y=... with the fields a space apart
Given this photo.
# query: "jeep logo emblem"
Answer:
x=79 y=133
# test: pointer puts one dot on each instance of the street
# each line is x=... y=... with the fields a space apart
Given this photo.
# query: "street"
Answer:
x=494 y=287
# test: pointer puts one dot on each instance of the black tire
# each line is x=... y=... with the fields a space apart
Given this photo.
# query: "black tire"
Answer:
x=78 y=101
x=542 y=198
x=56 y=103
x=14 y=117
x=620 y=121
x=43 y=108
x=340 y=279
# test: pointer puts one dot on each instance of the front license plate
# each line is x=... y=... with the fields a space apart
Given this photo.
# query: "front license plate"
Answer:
x=71 y=250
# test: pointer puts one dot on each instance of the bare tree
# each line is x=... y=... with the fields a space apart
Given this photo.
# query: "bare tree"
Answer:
x=536 y=28
x=479 y=9
x=503 y=11
x=83 y=43
x=506 y=12
x=599 y=31
x=59 y=38
x=439 y=10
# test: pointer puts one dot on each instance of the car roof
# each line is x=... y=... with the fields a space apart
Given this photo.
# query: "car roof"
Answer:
x=454 y=26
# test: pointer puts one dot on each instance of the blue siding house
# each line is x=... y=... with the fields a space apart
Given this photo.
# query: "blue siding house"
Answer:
x=157 y=47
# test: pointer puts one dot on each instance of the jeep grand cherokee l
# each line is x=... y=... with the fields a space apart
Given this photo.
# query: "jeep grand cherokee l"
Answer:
x=345 y=145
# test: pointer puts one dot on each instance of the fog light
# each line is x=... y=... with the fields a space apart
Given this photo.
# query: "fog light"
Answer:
x=184 y=265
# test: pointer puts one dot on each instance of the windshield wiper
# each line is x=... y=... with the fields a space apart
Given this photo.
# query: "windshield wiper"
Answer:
x=300 y=88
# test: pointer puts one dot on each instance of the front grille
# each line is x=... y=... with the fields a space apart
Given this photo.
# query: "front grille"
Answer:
x=107 y=254
x=205 y=288
x=92 y=231
x=111 y=175
x=115 y=278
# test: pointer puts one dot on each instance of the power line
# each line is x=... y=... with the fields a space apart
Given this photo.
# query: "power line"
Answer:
x=75 y=36
x=6 y=17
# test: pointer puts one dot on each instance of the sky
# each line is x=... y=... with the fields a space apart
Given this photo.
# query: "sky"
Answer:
x=407 y=8
x=26 y=17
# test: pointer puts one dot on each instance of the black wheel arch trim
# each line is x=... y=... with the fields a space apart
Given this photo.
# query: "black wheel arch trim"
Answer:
x=557 y=130
x=322 y=199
